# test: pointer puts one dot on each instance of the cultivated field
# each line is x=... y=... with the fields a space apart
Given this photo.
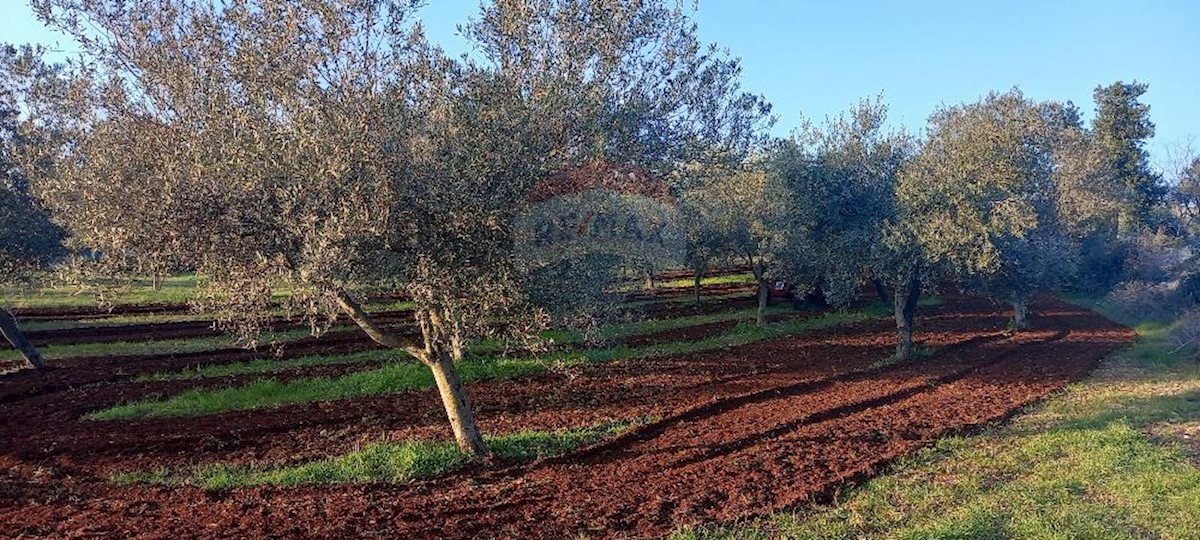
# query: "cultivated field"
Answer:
x=152 y=426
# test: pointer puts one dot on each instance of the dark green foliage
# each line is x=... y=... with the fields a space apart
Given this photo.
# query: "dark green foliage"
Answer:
x=1102 y=261
x=1189 y=288
x=1122 y=126
x=842 y=180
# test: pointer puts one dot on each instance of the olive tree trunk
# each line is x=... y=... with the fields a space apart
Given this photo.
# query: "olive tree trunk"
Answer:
x=764 y=291
x=438 y=355
x=457 y=404
x=881 y=291
x=1020 y=313
x=699 y=275
x=8 y=327
x=907 y=296
x=648 y=279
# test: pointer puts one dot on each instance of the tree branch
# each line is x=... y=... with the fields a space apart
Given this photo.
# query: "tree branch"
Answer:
x=374 y=331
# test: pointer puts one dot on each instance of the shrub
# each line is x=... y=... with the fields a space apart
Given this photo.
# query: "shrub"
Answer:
x=1144 y=300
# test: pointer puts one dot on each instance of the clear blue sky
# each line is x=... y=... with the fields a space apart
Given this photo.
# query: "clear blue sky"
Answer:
x=816 y=58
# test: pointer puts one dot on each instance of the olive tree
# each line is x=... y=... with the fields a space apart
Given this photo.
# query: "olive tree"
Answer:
x=29 y=241
x=845 y=228
x=580 y=225
x=632 y=82
x=983 y=197
x=743 y=209
x=704 y=241
x=842 y=180
x=327 y=148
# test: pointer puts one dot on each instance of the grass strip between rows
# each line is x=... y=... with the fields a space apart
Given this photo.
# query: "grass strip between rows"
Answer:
x=481 y=350
x=159 y=347
x=383 y=462
x=403 y=376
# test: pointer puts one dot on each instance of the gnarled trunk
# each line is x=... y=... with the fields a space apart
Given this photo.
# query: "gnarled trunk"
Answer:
x=438 y=355
x=8 y=327
x=906 y=300
x=764 y=291
x=1020 y=314
x=457 y=404
x=699 y=274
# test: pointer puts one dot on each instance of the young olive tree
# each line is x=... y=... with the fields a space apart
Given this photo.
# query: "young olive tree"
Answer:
x=743 y=209
x=983 y=198
x=704 y=241
x=328 y=149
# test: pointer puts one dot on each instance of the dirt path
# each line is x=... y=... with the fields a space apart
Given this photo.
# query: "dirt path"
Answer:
x=741 y=432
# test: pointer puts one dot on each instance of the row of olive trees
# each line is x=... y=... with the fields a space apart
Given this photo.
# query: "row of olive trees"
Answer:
x=328 y=148
x=1005 y=196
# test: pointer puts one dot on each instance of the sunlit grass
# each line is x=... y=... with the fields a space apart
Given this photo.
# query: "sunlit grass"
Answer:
x=481 y=351
x=268 y=393
x=162 y=318
x=383 y=462
x=154 y=347
x=746 y=278
x=1081 y=466
x=113 y=320
x=269 y=365
x=174 y=290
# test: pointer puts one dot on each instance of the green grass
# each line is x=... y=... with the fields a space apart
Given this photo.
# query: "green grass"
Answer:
x=1081 y=466
x=269 y=365
x=163 y=346
x=174 y=290
x=918 y=354
x=481 y=351
x=114 y=320
x=267 y=393
x=403 y=376
x=158 y=318
x=384 y=462
x=650 y=326
x=713 y=280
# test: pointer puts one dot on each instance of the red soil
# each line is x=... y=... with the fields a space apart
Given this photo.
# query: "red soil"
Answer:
x=740 y=432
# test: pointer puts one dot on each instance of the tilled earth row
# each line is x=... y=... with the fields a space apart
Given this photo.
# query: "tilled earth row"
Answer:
x=739 y=432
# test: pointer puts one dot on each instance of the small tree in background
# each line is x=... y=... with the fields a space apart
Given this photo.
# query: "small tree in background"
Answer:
x=743 y=211
x=704 y=243
x=580 y=225
x=1185 y=194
